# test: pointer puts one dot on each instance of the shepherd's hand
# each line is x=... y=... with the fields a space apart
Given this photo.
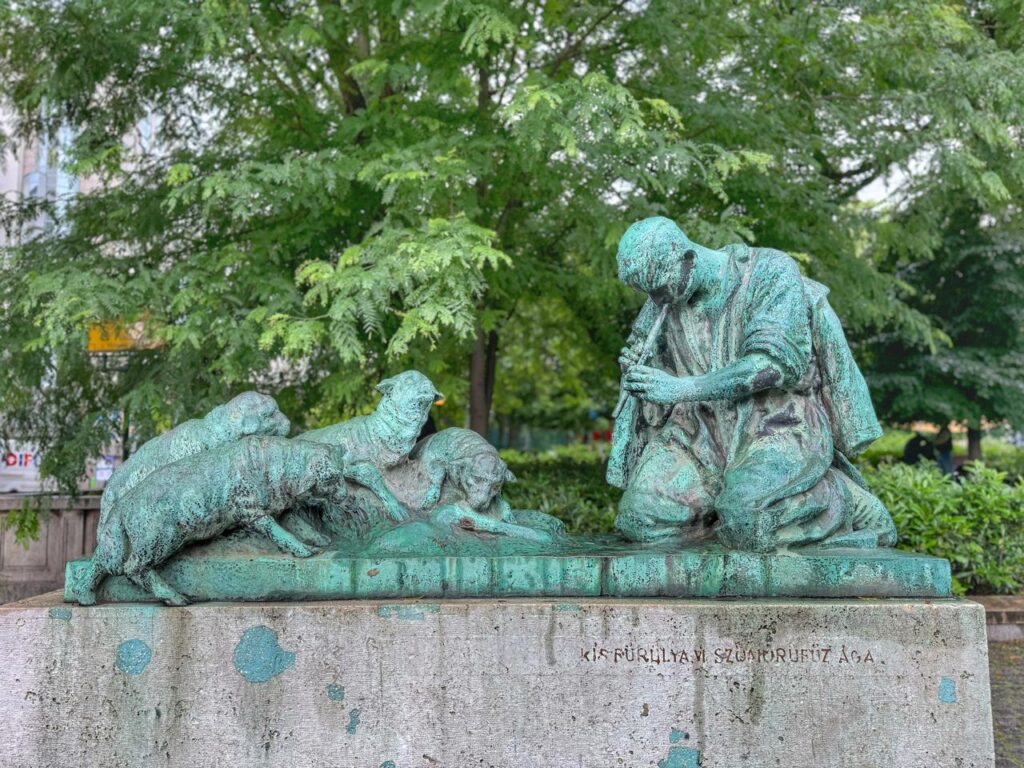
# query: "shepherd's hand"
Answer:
x=657 y=386
x=628 y=357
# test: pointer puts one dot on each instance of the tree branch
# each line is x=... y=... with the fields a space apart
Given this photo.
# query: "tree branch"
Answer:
x=574 y=47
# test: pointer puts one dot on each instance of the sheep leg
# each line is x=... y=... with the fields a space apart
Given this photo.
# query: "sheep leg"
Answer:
x=285 y=540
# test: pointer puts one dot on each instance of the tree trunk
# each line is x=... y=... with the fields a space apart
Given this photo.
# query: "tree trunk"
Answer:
x=481 y=359
x=126 y=450
x=490 y=367
x=482 y=364
x=503 y=424
x=973 y=443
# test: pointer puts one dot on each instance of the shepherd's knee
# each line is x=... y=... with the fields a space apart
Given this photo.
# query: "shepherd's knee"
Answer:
x=644 y=515
x=740 y=520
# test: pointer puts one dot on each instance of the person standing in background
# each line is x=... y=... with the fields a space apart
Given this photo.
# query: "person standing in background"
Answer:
x=944 y=450
x=916 y=448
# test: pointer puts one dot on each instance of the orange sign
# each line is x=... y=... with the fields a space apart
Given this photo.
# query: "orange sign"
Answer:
x=116 y=337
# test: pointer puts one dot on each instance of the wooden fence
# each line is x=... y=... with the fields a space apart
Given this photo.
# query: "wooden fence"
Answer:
x=67 y=531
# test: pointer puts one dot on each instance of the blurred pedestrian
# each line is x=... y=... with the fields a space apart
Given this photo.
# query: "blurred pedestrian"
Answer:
x=916 y=448
x=944 y=450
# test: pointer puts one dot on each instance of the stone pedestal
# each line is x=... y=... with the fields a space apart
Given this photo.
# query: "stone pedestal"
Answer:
x=523 y=683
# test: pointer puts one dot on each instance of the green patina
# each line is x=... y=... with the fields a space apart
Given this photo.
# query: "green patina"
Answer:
x=741 y=403
x=947 y=691
x=259 y=657
x=335 y=692
x=740 y=410
x=681 y=757
x=61 y=614
x=245 y=484
x=248 y=414
x=353 y=722
x=367 y=485
x=606 y=569
x=132 y=657
x=410 y=612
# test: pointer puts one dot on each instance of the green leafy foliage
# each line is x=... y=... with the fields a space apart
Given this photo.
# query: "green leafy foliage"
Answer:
x=568 y=483
x=972 y=289
x=430 y=277
x=334 y=191
x=978 y=524
x=25 y=522
x=886 y=449
x=1005 y=458
x=999 y=455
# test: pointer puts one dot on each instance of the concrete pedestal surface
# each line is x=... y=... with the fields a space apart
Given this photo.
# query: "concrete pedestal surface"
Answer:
x=525 y=683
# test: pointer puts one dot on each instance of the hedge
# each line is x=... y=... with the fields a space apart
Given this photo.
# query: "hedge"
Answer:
x=977 y=523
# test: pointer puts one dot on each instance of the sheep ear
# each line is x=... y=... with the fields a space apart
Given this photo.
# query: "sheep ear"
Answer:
x=509 y=477
x=385 y=386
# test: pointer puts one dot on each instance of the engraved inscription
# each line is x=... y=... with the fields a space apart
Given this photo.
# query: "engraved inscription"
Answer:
x=727 y=654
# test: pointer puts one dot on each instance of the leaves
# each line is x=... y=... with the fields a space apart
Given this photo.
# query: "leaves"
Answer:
x=978 y=525
x=315 y=194
x=428 y=277
x=970 y=289
x=488 y=29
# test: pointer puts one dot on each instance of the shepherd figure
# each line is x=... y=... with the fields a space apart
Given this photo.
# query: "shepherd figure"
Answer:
x=741 y=422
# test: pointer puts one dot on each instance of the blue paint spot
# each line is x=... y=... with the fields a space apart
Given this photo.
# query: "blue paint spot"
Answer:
x=335 y=692
x=388 y=764
x=676 y=736
x=133 y=657
x=568 y=607
x=258 y=657
x=353 y=722
x=681 y=757
x=61 y=614
x=407 y=612
x=947 y=691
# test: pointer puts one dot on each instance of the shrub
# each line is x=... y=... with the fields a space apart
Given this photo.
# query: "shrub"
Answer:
x=887 y=448
x=978 y=524
x=998 y=454
x=1005 y=458
x=567 y=482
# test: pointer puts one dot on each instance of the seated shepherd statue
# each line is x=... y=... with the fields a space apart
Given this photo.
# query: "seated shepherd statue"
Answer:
x=741 y=423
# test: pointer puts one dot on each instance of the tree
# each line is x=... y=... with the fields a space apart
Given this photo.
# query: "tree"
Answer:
x=953 y=238
x=354 y=190
x=360 y=186
x=973 y=291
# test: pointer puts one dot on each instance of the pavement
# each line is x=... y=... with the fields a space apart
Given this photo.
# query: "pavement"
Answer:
x=1005 y=615
x=1006 y=668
